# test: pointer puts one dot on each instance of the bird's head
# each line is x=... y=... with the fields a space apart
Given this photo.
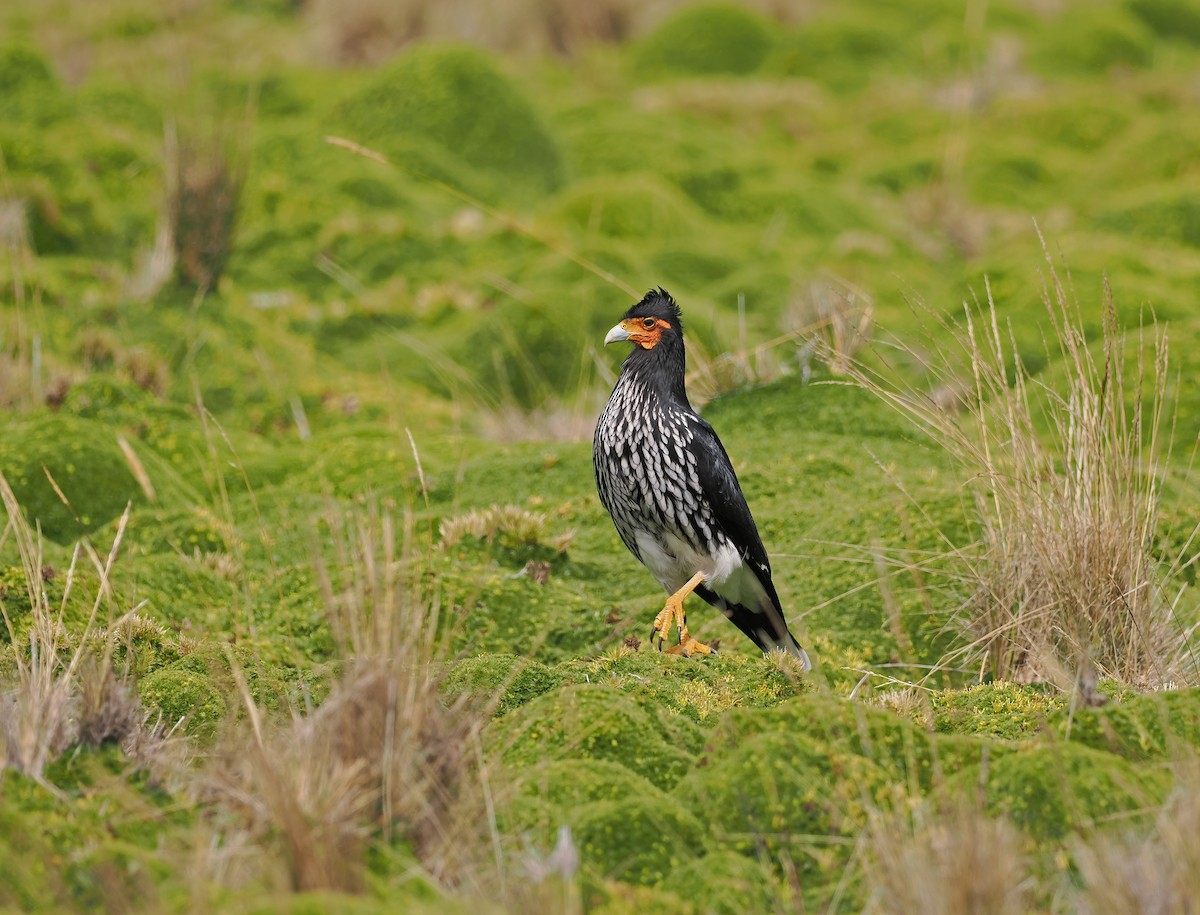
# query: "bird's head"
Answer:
x=652 y=321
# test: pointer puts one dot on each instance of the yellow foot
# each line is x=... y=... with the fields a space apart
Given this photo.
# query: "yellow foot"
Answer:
x=672 y=615
x=688 y=646
x=669 y=617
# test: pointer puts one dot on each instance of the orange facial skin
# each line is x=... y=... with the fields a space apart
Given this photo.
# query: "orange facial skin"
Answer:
x=645 y=332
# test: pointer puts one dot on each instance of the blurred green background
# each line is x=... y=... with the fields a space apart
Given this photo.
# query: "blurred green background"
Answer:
x=172 y=211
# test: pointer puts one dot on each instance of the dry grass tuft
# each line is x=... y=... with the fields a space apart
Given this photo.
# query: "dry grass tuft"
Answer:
x=372 y=31
x=384 y=756
x=509 y=521
x=1067 y=475
x=954 y=862
x=205 y=174
x=1158 y=873
x=64 y=691
x=98 y=349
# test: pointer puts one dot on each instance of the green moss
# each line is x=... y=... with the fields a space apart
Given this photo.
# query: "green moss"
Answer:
x=821 y=49
x=1093 y=39
x=376 y=248
x=365 y=460
x=634 y=841
x=61 y=847
x=1158 y=726
x=522 y=352
x=182 y=590
x=827 y=407
x=192 y=532
x=327 y=901
x=1169 y=215
x=631 y=207
x=65 y=208
x=816 y=765
x=506 y=679
x=29 y=89
x=16 y=603
x=1176 y=20
x=904 y=175
x=731 y=884
x=624 y=827
x=456 y=98
x=25 y=885
x=502 y=608
x=706 y=39
x=86 y=464
x=690 y=265
x=589 y=722
x=1003 y=710
x=179 y=692
x=701 y=692
x=1049 y=791
x=552 y=791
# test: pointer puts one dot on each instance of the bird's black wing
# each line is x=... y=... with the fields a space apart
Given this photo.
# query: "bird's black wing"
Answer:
x=764 y=625
x=720 y=486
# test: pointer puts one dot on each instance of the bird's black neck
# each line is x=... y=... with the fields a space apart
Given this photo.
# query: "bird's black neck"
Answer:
x=661 y=369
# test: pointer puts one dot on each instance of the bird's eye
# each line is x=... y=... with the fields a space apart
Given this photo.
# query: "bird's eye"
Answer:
x=647 y=323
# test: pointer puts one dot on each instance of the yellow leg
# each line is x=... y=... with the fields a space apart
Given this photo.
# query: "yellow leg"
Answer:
x=673 y=614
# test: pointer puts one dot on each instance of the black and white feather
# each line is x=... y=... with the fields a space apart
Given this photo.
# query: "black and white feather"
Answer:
x=665 y=478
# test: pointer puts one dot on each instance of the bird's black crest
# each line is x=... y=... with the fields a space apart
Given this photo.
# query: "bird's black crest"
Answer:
x=657 y=303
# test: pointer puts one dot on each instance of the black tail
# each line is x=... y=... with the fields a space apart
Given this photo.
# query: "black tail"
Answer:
x=768 y=631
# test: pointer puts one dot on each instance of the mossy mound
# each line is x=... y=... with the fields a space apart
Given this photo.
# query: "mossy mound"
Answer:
x=551 y=791
x=624 y=826
x=827 y=406
x=67 y=210
x=29 y=89
x=1051 y=790
x=512 y=613
x=86 y=464
x=456 y=98
x=505 y=679
x=636 y=841
x=1159 y=726
x=814 y=766
x=1093 y=39
x=183 y=590
x=706 y=39
x=1176 y=20
x=1170 y=215
x=141 y=645
x=349 y=465
x=630 y=207
x=1003 y=710
x=701 y=692
x=590 y=722
x=817 y=50
x=18 y=605
x=729 y=883
x=182 y=692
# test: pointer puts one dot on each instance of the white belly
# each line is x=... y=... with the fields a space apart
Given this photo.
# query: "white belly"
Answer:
x=673 y=562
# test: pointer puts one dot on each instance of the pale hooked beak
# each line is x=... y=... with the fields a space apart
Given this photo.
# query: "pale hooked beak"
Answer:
x=616 y=335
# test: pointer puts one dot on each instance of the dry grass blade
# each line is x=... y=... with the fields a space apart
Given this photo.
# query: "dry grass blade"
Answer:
x=1067 y=477
x=205 y=175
